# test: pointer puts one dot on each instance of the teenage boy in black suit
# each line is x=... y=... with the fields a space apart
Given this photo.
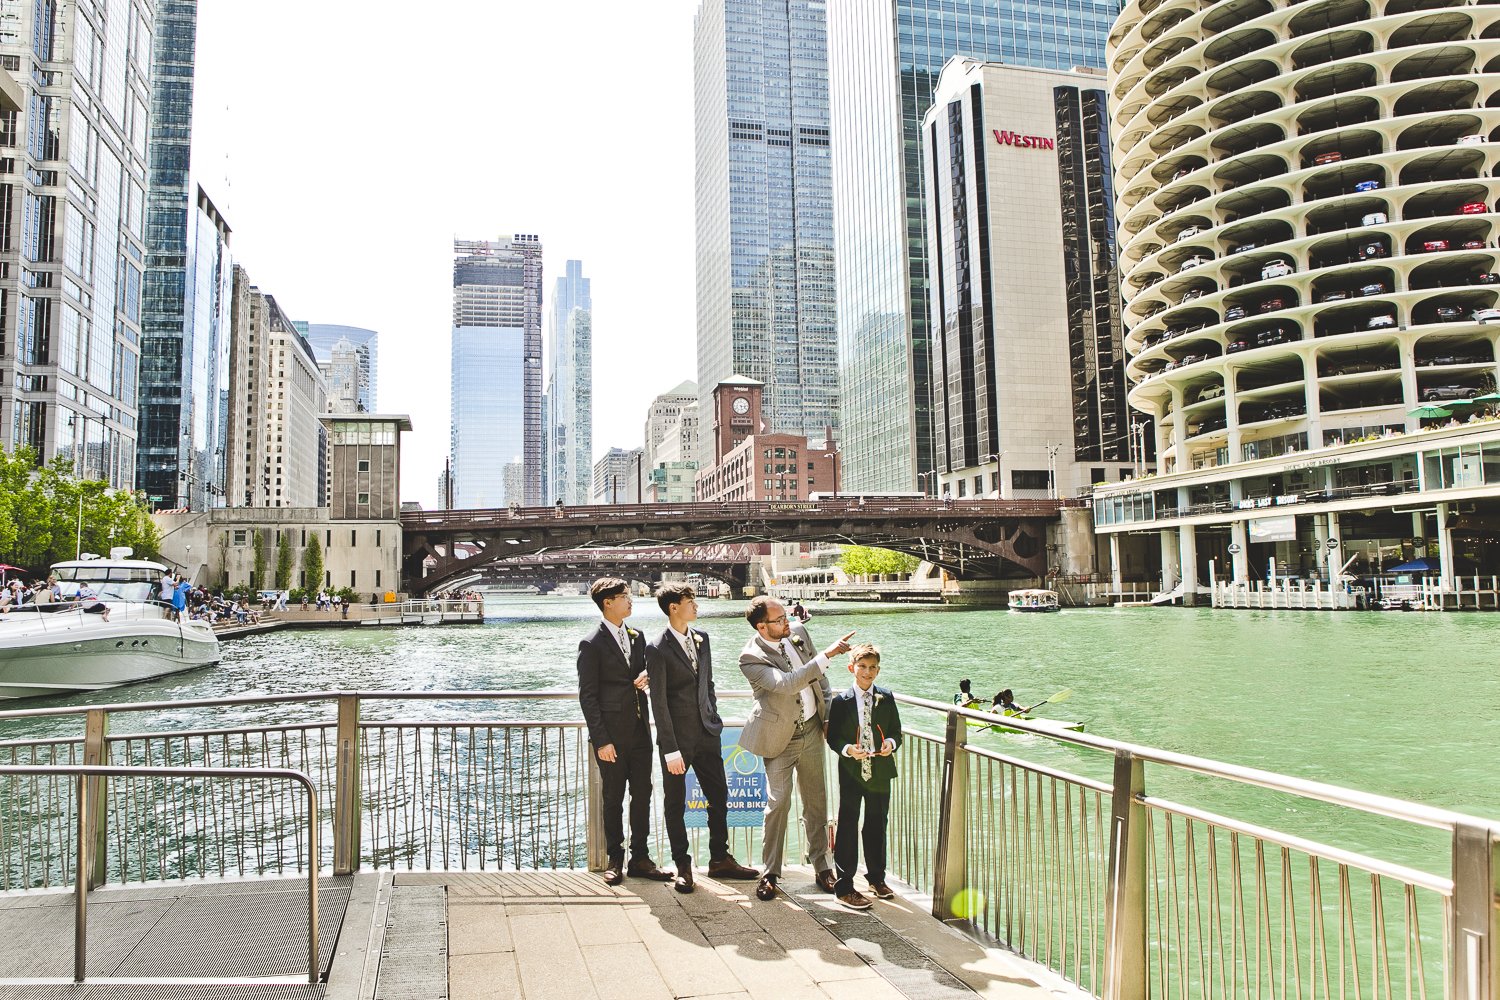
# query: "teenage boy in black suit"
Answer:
x=864 y=729
x=612 y=691
x=686 y=709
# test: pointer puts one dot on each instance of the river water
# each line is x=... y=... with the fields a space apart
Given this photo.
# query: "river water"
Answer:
x=1401 y=704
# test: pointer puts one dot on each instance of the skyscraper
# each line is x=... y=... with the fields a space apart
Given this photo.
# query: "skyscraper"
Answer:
x=884 y=57
x=765 y=209
x=72 y=230
x=366 y=345
x=497 y=372
x=188 y=285
x=570 y=381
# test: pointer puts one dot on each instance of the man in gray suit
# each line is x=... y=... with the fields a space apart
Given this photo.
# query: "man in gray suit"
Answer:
x=785 y=727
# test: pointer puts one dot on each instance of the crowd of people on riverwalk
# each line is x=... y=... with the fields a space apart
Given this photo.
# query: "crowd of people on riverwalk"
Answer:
x=627 y=683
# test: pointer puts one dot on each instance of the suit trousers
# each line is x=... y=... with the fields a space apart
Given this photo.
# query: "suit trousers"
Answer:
x=804 y=755
x=708 y=765
x=631 y=768
x=877 y=806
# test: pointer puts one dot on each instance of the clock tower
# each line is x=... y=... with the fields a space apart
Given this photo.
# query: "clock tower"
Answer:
x=736 y=413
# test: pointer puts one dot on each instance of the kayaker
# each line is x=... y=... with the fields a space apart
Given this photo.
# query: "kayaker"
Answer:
x=1005 y=704
x=965 y=697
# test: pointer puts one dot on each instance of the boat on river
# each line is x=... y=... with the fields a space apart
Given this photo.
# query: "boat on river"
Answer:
x=58 y=648
x=1033 y=600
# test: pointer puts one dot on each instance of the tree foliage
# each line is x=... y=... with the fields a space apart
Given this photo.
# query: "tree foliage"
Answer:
x=312 y=563
x=40 y=514
x=284 y=562
x=860 y=560
x=258 y=571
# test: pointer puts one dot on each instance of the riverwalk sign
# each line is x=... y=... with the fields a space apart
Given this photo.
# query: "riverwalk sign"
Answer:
x=745 y=774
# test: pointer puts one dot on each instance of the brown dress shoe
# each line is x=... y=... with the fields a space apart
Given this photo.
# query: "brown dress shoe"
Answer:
x=683 y=883
x=881 y=891
x=615 y=873
x=646 y=868
x=727 y=867
x=855 y=901
x=766 y=890
x=826 y=881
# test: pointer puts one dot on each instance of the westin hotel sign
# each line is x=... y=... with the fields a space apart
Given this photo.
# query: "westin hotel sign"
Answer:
x=1024 y=141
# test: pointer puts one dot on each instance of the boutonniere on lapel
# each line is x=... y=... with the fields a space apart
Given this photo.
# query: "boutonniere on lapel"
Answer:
x=797 y=641
x=877 y=698
x=697 y=640
x=632 y=633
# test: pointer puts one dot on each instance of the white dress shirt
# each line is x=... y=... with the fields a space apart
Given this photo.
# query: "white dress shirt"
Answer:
x=809 y=703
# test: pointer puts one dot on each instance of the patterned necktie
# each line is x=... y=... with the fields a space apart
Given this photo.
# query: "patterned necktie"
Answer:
x=866 y=737
x=687 y=648
x=624 y=643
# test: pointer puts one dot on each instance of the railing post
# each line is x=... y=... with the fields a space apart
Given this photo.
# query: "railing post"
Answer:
x=950 y=865
x=1476 y=921
x=1125 y=899
x=81 y=884
x=346 y=794
x=96 y=754
x=594 y=824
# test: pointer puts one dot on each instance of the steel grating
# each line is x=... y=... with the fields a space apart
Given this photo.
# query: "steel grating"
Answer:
x=414 y=955
x=160 y=991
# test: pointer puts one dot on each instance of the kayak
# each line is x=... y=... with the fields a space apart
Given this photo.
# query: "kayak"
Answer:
x=1076 y=727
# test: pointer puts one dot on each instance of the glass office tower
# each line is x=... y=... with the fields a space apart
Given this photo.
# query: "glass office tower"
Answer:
x=497 y=373
x=765 y=209
x=570 y=389
x=366 y=344
x=884 y=57
x=72 y=230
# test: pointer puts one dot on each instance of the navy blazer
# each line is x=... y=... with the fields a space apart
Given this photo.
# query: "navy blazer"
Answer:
x=614 y=709
x=683 y=701
x=843 y=729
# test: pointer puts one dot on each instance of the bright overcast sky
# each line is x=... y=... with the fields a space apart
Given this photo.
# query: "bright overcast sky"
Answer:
x=358 y=139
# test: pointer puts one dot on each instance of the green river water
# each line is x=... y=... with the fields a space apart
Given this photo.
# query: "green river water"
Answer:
x=1401 y=704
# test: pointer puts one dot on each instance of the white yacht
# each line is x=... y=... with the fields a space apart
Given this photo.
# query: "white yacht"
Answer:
x=45 y=651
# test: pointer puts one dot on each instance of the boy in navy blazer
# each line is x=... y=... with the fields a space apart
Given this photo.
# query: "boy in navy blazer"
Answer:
x=864 y=729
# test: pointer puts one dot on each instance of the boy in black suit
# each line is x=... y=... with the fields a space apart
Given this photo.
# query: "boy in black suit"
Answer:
x=864 y=729
x=686 y=709
x=612 y=692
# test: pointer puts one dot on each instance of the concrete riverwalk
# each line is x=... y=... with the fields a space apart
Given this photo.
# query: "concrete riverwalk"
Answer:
x=527 y=934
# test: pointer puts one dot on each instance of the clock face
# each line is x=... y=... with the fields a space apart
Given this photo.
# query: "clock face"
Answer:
x=741 y=405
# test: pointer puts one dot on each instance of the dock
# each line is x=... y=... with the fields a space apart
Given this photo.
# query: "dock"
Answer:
x=524 y=934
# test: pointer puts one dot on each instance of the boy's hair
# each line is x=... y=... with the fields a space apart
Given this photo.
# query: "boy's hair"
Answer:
x=669 y=594
x=606 y=587
x=865 y=651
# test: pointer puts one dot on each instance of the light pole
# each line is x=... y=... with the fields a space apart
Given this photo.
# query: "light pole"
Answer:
x=995 y=457
x=925 y=479
x=834 y=455
x=1052 y=450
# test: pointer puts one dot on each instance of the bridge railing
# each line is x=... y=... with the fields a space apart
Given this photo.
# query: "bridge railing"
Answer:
x=1080 y=852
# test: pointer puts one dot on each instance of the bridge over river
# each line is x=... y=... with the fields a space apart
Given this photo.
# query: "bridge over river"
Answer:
x=983 y=539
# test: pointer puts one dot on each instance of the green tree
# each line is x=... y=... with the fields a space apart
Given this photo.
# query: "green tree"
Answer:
x=258 y=571
x=284 y=562
x=48 y=515
x=312 y=564
x=860 y=560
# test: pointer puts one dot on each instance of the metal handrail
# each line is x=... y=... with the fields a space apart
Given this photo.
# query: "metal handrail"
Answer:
x=88 y=800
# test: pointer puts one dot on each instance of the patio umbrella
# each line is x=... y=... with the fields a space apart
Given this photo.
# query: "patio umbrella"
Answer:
x=1430 y=412
x=1489 y=397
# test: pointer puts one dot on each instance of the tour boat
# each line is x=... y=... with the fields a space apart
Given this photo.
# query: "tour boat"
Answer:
x=56 y=649
x=1033 y=600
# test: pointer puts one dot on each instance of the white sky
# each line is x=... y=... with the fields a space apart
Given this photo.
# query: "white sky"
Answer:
x=359 y=137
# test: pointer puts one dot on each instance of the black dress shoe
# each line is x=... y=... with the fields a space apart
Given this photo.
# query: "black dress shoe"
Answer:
x=646 y=868
x=683 y=883
x=615 y=873
x=727 y=867
x=766 y=889
x=826 y=881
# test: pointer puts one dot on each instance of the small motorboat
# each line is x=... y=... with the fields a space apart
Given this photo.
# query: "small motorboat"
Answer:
x=57 y=648
x=1033 y=600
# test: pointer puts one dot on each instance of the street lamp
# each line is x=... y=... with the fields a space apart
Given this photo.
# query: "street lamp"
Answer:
x=1052 y=450
x=926 y=480
x=834 y=456
x=999 y=472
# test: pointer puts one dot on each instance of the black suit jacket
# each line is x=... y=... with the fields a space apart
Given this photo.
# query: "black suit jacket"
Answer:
x=843 y=729
x=683 y=702
x=615 y=711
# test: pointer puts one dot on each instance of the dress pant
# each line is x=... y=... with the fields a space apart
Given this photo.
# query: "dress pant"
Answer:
x=804 y=755
x=631 y=769
x=708 y=764
x=877 y=807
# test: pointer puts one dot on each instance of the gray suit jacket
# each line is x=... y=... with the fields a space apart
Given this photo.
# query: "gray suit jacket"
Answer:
x=777 y=687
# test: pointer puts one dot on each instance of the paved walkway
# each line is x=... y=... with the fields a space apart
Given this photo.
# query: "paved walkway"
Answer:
x=539 y=935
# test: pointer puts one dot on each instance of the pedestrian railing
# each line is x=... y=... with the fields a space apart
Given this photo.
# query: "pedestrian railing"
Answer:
x=1128 y=893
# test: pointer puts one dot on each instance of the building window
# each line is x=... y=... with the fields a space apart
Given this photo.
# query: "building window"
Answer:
x=239 y=536
x=364 y=465
x=351 y=579
x=1028 y=479
x=963 y=491
x=377 y=545
x=353 y=536
x=377 y=579
x=363 y=499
